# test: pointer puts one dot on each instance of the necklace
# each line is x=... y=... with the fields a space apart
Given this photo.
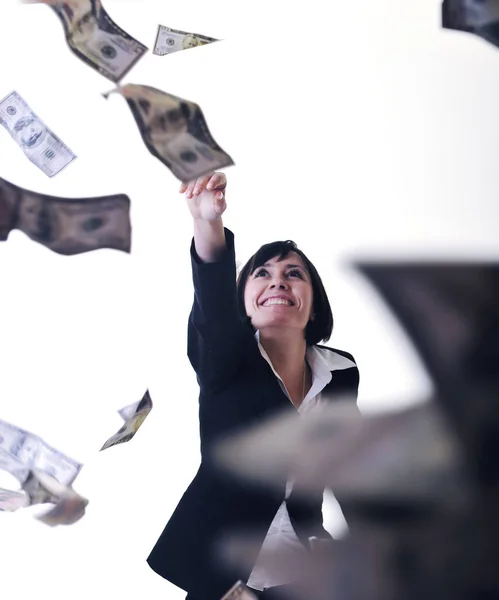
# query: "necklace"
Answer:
x=304 y=372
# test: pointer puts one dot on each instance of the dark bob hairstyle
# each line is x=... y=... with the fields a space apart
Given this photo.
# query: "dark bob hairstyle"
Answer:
x=321 y=327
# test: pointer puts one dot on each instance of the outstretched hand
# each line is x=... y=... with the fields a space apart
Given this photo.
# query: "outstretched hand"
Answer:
x=206 y=196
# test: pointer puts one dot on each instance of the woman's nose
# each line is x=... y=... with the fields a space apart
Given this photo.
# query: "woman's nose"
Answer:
x=278 y=283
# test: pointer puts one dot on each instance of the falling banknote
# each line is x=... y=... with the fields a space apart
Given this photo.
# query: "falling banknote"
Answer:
x=21 y=450
x=36 y=140
x=480 y=17
x=133 y=415
x=174 y=131
x=65 y=225
x=336 y=447
x=96 y=39
x=41 y=488
x=32 y=461
x=451 y=313
x=172 y=40
x=239 y=592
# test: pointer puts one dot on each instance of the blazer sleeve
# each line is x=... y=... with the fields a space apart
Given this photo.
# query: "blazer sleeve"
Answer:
x=217 y=336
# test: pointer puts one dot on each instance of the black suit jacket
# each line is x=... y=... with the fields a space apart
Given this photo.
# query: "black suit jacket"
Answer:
x=237 y=389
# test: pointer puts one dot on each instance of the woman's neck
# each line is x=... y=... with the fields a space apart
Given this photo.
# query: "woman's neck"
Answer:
x=287 y=355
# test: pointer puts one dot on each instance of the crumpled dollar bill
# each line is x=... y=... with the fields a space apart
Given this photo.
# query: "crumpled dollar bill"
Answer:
x=46 y=476
x=173 y=40
x=133 y=415
x=239 y=591
x=174 y=131
x=95 y=38
x=66 y=225
x=22 y=451
x=40 y=144
x=42 y=488
x=480 y=17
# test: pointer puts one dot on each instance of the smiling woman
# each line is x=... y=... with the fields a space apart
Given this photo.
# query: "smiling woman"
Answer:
x=281 y=296
x=267 y=268
x=254 y=344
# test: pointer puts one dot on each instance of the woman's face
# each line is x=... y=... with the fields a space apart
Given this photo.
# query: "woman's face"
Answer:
x=279 y=294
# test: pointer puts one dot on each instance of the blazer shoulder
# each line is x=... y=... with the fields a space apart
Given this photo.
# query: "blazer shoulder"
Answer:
x=343 y=353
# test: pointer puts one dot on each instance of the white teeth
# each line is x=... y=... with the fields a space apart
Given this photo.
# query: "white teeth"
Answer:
x=272 y=301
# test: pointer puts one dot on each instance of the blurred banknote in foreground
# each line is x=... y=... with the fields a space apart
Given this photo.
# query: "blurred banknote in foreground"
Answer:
x=41 y=488
x=480 y=17
x=172 y=40
x=36 y=140
x=174 y=131
x=405 y=456
x=239 y=592
x=133 y=415
x=21 y=451
x=96 y=39
x=66 y=225
x=451 y=313
x=349 y=569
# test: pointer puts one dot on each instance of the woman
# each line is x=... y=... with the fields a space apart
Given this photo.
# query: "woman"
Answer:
x=254 y=347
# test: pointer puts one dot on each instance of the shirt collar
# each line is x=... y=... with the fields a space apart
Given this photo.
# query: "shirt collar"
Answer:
x=322 y=362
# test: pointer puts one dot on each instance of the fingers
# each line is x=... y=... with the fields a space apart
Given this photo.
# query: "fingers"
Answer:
x=219 y=205
x=217 y=181
x=210 y=182
x=200 y=184
x=195 y=187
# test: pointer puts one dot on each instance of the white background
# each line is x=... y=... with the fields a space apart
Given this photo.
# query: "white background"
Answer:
x=359 y=129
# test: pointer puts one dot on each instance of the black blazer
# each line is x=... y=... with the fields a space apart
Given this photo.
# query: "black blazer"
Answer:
x=237 y=389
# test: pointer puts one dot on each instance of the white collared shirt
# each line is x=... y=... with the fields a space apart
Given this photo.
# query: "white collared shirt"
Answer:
x=281 y=536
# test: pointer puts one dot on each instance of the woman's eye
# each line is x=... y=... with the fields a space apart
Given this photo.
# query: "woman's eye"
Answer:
x=296 y=273
x=261 y=272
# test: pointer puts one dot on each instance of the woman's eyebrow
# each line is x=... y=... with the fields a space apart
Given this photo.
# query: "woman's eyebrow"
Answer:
x=288 y=266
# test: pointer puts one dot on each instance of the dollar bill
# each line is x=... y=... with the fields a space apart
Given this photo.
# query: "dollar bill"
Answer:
x=36 y=140
x=42 y=488
x=239 y=591
x=401 y=457
x=174 y=131
x=96 y=39
x=21 y=451
x=350 y=569
x=480 y=17
x=173 y=40
x=56 y=464
x=11 y=501
x=274 y=450
x=12 y=465
x=406 y=456
x=451 y=314
x=133 y=415
x=66 y=225
x=18 y=443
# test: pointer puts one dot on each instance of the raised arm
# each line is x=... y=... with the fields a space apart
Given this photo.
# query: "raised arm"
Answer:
x=217 y=337
x=206 y=201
